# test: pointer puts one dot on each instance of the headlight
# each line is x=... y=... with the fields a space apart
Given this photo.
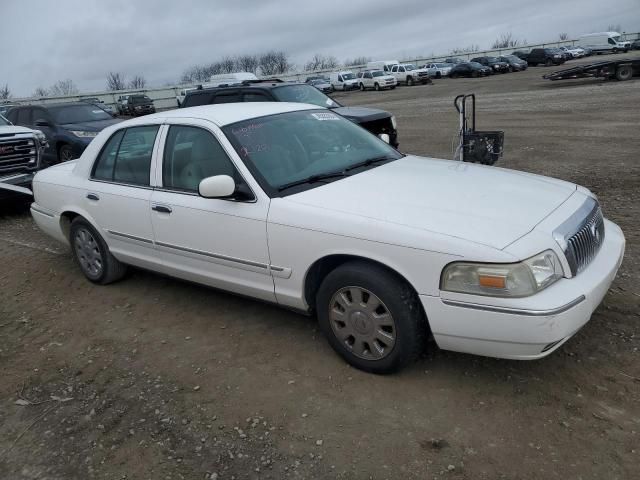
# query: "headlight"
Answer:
x=393 y=122
x=503 y=279
x=84 y=134
x=42 y=138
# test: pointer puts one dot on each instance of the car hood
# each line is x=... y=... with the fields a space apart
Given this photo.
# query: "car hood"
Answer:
x=8 y=130
x=361 y=114
x=485 y=205
x=91 y=126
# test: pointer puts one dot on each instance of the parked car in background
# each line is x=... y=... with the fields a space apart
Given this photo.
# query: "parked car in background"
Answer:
x=439 y=70
x=376 y=79
x=378 y=122
x=408 y=74
x=295 y=205
x=182 y=93
x=470 y=69
x=605 y=42
x=575 y=52
x=384 y=65
x=565 y=54
x=635 y=45
x=99 y=103
x=21 y=150
x=5 y=107
x=454 y=60
x=317 y=77
x=516 y=63
x=545 y=56
x=587 y=51
x=68 y=127
x=343 y=80
x=521 y=54
x=493 y=63
x=137 y=104
x=321 y=84
x=120 y=108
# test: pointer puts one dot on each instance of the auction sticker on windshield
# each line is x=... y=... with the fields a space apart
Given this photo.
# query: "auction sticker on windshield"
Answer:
x=325 y=116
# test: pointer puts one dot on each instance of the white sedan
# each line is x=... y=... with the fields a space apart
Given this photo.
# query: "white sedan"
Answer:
x=295 y=205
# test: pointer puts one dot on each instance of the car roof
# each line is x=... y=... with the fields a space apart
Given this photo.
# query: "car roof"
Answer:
x=225 y=113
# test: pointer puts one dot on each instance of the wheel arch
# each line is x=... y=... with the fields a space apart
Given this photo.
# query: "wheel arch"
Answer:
x=68 y=215
x=319 y=269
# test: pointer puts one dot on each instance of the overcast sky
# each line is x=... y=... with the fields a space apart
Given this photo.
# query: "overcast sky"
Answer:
x=44 y=41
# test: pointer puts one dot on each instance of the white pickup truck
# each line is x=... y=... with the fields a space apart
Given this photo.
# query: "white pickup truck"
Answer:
x=20 y=155
x=408 y=74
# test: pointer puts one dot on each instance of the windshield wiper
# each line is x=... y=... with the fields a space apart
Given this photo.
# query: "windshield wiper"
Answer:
x=369 y=161
x=313 y=179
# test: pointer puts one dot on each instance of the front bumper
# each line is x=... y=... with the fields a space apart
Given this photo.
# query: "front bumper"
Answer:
x=525 y=328
x=16 y=180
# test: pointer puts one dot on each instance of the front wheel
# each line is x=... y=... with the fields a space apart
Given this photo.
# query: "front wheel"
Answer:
x=624 y=72
x=376 y=87
x=548 y=62
x=65 y=153
x=92 y=254
x=371 y=317
x=438 y=75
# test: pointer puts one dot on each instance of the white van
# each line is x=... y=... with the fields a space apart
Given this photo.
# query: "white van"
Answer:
x=345 y=80
x=604 y=42
x=384 y=65
x=229 y=78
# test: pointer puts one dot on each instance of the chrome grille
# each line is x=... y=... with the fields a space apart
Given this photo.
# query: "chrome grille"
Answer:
x=582 y=235
x=17 y=153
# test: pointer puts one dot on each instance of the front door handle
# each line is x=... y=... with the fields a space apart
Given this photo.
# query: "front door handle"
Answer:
x=93 y=196
x=161 y=209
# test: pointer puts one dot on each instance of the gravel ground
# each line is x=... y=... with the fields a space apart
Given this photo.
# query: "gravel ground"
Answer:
x=153 y=378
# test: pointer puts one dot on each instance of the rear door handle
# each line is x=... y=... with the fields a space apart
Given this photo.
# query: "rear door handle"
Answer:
x=93 y=196
x=161 y=209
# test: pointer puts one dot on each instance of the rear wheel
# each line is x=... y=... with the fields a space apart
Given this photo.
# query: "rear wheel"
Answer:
x=362 y=87
x=624 y=72
x=92 y=254
x=409 y=81
x=371 y=317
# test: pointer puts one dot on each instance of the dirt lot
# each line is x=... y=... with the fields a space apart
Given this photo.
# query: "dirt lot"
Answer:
x=153 y=378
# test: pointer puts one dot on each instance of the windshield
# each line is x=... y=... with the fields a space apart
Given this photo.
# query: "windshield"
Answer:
x=409 y=67
x=492 y=59
x=378 y=73
x=512 y=58
x=78 y=114
x=283 y=148
x=617 y=38
x=303 y=94
x=476 y=64
x=140 y=99
x=4 y=121
x=348 y=76
x=443 y=65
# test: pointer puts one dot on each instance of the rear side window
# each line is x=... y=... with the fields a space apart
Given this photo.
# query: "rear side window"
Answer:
x=198 y=99
x=126 y=157
x=227 y=98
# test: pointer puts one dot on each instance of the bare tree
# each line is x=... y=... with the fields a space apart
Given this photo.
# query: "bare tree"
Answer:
x=5 y=92
x=62 y=88
x=115 y=81
x=356 y=61
x=247 y=63
x=40 y=92
x=563 y=37
x=228 y=65
x=138 y=81
x=274 y=63
x=470 y=49
x=321 y=62
x=507 y=40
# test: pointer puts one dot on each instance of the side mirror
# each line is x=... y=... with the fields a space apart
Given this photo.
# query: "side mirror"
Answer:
x=42 y=123
x=218 y=186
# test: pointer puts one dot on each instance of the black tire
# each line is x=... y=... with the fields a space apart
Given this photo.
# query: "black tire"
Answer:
x=65 y=153
x=376 y=87
x=410 y=328
x=438 y=75
x=361 y=87
x=533 y=64
x=410 y=81
x=548 y=62
x=453 y=75
x=474 y=74
x=393 y=88
x=333 y=89
x=111 y=268
x=615 y=50
x=624 y=72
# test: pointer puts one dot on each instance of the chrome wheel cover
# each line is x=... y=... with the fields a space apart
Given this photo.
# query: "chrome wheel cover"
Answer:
x=362 y=323
x=88 y=253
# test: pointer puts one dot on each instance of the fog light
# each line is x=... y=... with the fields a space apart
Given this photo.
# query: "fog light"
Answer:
x=384 y=137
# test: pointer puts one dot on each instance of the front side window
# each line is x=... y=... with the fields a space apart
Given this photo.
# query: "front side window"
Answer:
x=126 y=157
x=190 y=155
x=288 y=147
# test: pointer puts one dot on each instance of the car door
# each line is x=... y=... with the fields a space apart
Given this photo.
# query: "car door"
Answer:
x=219 y=242
x=118 y=194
